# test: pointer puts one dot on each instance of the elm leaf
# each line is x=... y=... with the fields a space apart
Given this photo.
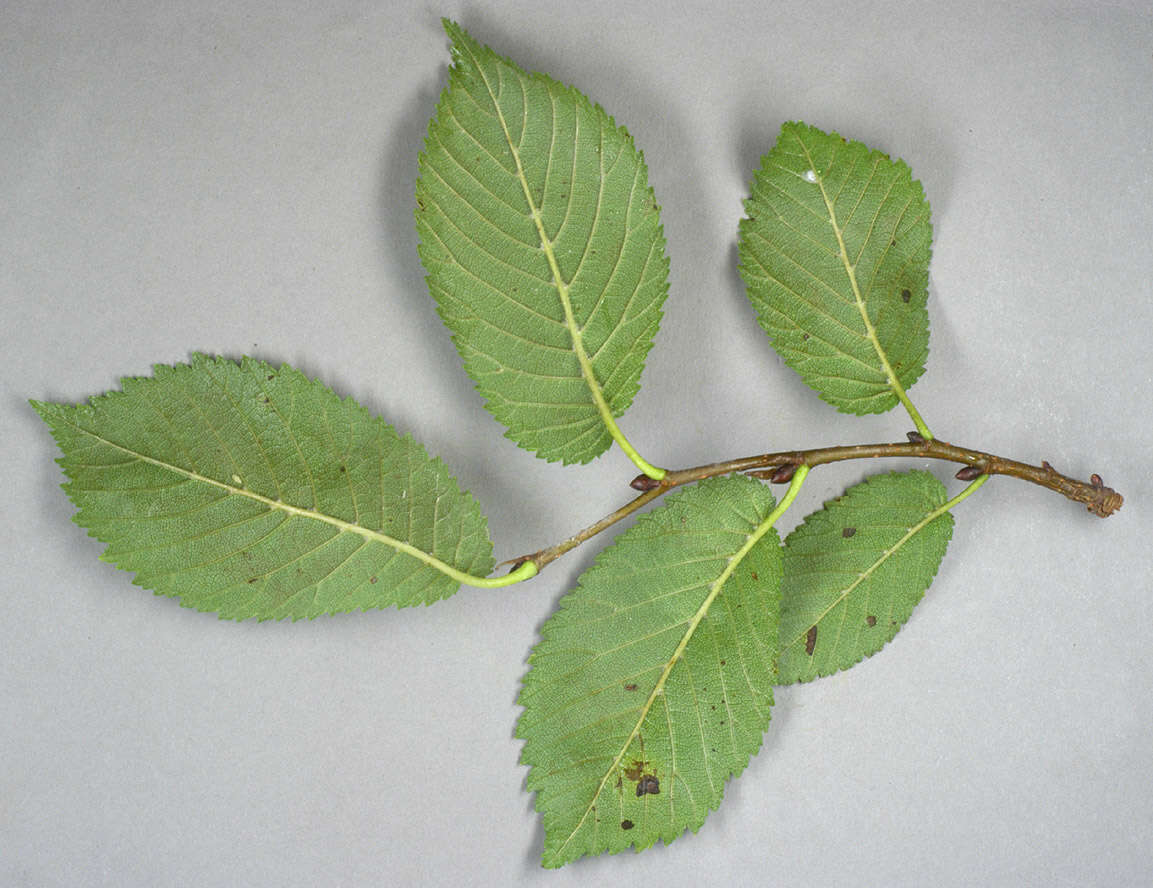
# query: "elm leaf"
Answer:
x=652 y=683
x=256 y=492
x=855 y=569
x=544 y=251
x=835 y=254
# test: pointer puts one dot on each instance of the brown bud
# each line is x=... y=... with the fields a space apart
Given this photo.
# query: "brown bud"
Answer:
x=1096 y=481
x=1045 y=465
x=644 y=483
x=784 y=473
x=915 y=437
x=968 y=473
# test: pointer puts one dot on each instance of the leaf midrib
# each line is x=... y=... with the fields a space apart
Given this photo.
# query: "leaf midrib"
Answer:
x=872 y=568
x=658 y=690
x=280 y=505
x=851 y=273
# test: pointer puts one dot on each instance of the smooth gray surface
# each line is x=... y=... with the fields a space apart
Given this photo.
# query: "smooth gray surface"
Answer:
x=237 y=178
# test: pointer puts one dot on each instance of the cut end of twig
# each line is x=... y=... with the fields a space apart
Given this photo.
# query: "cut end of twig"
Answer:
x=1102 y=501
x=644 y=483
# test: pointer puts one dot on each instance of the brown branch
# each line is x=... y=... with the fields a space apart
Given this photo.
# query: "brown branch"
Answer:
x=779 y=468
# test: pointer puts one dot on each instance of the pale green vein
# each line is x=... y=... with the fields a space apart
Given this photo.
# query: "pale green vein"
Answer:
x=658 y=690
x=562 y=289
x=870 y=331
x=889 y=553
x=523 y=572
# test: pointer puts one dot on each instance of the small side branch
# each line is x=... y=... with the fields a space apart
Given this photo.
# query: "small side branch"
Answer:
x=780 y=468
x=1100 y=500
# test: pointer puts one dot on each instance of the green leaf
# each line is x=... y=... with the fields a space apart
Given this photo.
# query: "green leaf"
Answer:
x=653 y=682
x=855 y=570
x=256 y=492
x=544 y=251
x=835 y=255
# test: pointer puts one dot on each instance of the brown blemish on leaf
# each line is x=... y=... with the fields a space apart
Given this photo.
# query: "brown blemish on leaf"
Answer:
x=626 y=824
x=871 y=620
x=253 y=579
x=906 y=295
x=811 y=640
x=848 y=532
x=372 y=579
x=648 y=785
x=635 y=770
x=630 y=687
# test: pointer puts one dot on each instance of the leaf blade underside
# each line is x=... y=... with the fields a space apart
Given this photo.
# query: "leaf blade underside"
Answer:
x=835 y=255
x=856 y=568
x=253 y=491
x=544 y=250
x=652 y=684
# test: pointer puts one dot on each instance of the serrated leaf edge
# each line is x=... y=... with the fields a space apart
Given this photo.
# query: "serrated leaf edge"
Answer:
x=888 y=553
x=462 y=43
x=58 y=412
x=714 y=590
x=851 y=272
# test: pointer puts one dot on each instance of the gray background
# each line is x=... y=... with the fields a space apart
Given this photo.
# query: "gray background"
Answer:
x=237 y=179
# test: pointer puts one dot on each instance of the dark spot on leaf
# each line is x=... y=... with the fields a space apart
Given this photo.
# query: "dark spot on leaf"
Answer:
x=755 y=577
x=906 y=295
x=804 y=337
x=848 y=532
x=630 y=687
x=267 y=400
x=420 y=203
x=635 y=770
x=253 y=579
x=626 y=824
x=871 y=620
x=272 y=376
x=712 y=707
x=344 y=468
x=811 y=640
x=648 y=785
x=722 y=662
x=892 y=243
x=372 y=579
